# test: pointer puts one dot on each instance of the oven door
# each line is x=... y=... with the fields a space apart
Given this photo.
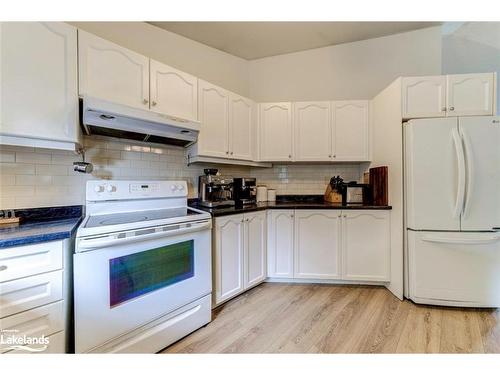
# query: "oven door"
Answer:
x=125 y=280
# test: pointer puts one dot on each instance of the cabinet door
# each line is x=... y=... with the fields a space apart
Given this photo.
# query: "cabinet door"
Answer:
x=213 y=115
x=240 y=127
x=173 y=92
x=317 y=244
x=280 y=243
x=350 y=130
x=275 y=131
x=366 y=249
x=38 y=82
x=312 y=129
x=424 y=97
x=228 y=257
x=470 y=94
x=111 y=72
x=255 y=248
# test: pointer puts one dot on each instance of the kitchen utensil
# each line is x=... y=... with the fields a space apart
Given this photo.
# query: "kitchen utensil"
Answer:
x=261 y=193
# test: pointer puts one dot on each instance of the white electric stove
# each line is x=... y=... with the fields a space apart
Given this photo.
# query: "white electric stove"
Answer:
x=142 y=267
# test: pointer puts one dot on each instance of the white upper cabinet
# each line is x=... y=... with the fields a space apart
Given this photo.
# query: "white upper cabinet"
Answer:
x=350 y=130
x=111 y=72
x=38 y=83
x=470 y=94
x=255 y=248
x=275 y=131
x=229 y=252
x=317 y=244
x=312 y=131
x=241 y=112
x=213 y=114
x=280 y=243
x=424 y=96
x=366 y=245
x=451 y=96
x=173 y=92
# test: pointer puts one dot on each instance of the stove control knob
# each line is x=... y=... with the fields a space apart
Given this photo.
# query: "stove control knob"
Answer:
x=173 y=188
x=98 y=188
x=110 y=188
x=180 y=187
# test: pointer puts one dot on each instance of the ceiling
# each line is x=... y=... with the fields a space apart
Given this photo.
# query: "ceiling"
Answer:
x=254 y=40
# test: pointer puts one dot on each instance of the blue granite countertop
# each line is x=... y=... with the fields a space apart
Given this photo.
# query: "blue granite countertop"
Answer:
x=42 y=225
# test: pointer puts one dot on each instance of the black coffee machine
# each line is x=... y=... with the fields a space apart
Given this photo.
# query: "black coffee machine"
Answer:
x=244 y=191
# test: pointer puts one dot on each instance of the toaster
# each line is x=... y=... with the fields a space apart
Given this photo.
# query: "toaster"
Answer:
x=353 y=192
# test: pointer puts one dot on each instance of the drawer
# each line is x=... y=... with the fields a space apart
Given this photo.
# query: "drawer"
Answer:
x=22 y=261
x=19 y=295
x=56 y=345
x=46 y=320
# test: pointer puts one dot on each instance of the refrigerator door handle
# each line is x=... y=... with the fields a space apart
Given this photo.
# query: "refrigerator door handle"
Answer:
x=462 y=241
x=461 y=173
x=470 y=172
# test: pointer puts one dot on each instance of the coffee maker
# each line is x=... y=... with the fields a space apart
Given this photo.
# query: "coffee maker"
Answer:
x=215 y=190
x=244 y=191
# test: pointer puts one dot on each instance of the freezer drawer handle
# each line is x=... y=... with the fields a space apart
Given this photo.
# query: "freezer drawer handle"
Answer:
x=462 y=241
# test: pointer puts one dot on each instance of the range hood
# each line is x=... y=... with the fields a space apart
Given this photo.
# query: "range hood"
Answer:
x=101 y=117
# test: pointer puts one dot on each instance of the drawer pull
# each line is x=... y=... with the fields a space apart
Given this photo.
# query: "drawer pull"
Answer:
x=3 y=268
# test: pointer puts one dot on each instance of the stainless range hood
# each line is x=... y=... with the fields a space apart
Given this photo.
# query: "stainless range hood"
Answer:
x=100 y=117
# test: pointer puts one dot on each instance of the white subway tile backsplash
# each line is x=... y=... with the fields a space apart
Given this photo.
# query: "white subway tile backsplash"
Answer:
x=41 y=177
x=52 y=170
x=16 y=168
x=33 y=157
x=7 y=157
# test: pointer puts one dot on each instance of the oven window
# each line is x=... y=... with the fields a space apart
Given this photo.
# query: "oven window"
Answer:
x=136 y=274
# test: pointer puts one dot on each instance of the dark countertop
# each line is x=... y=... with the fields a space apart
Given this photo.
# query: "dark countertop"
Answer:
x=41 y=225
x=287 y=202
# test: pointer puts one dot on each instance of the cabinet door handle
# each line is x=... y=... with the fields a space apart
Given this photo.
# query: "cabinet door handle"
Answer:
x=145 y=101
x=3 y=268
x=496 y=121
x=443 y=109
x=289 y=156
x=231 y=152
x=452 y=108
x=153 y=103
x=227 y=152
x=329 y=156
x=334 y=155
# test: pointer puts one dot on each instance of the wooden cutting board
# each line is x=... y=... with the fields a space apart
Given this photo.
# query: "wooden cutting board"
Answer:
x=379 y=184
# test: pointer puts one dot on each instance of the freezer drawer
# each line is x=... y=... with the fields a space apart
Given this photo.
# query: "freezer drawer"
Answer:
x=454 y=269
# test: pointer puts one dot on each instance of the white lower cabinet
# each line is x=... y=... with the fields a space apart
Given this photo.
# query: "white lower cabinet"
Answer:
x=350 y=245
x=317 y=244
x=240 y=253
x=35 y=295
x=255 y=248
x=366 y=246
x=280 y=243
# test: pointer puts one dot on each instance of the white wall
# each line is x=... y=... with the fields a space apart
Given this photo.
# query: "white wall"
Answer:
x=357 y=70
x=472 y=47
x=212 y=65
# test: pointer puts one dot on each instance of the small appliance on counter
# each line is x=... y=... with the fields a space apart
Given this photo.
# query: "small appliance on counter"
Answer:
x=354 y=192
x=261 y=193
x=244 y=191
x=271 y=195
x=215 y=190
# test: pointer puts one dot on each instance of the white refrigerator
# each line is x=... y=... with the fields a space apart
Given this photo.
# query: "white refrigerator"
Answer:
x=452 y=210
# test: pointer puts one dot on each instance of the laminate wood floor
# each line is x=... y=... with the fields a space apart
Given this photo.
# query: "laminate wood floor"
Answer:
x=319 y=318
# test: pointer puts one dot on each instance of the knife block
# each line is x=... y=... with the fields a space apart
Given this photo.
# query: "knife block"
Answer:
x=332 y=196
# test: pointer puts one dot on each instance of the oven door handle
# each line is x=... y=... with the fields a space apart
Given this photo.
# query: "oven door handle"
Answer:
x=136 y=235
